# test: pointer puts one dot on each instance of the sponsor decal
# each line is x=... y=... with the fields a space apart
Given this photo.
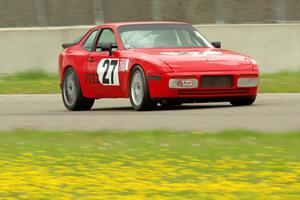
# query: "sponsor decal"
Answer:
x=191 y=53
x=124 y=63
x=91 y=78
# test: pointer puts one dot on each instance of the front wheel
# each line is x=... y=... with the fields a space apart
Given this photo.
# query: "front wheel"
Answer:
x=243 y=101
x=71 y=93
x=139 y=92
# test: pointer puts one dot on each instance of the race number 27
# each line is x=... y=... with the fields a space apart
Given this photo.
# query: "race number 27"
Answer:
x=108 y=71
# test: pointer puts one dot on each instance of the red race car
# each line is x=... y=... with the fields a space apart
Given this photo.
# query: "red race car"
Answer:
x=169 y=63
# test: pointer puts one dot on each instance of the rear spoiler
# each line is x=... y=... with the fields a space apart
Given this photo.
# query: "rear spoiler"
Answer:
x=66 y=45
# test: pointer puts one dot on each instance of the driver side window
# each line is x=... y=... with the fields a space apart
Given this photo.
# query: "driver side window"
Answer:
x=107 y=35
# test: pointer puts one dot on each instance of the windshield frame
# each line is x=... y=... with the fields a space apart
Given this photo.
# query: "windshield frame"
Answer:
x=128 y=27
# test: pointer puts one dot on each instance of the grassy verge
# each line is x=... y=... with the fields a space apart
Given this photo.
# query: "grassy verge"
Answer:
x=149 y=165
x=31 y=82
x=37 y=82
x=280 y=82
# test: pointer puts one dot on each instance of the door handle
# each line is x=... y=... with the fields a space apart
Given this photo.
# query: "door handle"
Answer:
x=91 y=59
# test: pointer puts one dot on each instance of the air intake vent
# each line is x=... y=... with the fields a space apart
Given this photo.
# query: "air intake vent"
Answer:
x=216 y=82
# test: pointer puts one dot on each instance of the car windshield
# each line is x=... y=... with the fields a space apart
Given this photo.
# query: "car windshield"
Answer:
x=161 y=36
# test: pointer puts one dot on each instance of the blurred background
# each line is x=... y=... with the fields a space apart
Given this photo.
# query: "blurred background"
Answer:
x=34 y=30
x=28 y=13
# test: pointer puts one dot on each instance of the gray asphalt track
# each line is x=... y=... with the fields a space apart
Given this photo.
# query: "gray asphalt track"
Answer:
x=271 y=113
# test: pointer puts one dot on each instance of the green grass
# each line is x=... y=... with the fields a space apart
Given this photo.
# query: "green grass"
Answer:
x=285 y=82
x=149 y=165
x=38 y=82
x=30 y=82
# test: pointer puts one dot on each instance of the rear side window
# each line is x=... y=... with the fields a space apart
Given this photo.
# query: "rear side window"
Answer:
x=88 y=44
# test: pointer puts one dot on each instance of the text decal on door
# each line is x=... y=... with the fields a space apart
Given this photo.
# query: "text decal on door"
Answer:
x=108 y=71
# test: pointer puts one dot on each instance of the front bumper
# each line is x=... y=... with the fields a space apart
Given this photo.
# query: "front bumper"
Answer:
x=159 y=86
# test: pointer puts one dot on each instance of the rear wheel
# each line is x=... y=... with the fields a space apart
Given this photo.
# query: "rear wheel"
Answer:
x=71 y=93
x=243 y=101
x=139 y=92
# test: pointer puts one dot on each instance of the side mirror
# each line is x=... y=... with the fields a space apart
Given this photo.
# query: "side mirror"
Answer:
x=107 y=46
x=216 y=44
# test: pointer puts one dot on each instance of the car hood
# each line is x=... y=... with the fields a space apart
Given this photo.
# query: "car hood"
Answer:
x=200 y=59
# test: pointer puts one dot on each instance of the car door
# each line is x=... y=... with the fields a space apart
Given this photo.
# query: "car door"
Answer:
x=105 y=67
x=87 y=47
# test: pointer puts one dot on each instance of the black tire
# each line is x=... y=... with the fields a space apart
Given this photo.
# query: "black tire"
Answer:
x=145 y=103
x=72 y=95
x=243 y=101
